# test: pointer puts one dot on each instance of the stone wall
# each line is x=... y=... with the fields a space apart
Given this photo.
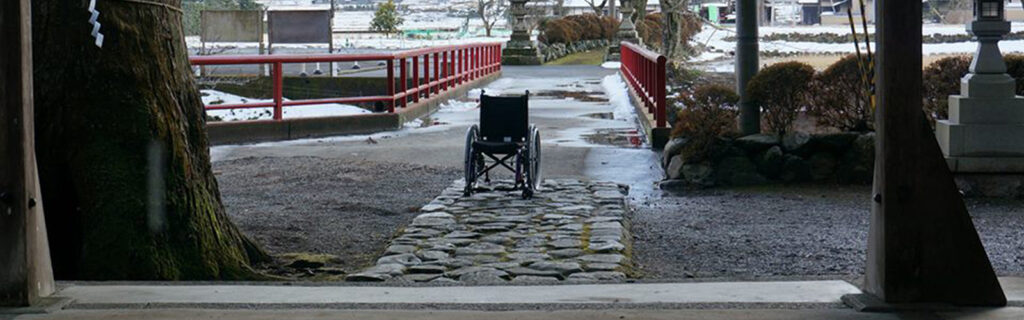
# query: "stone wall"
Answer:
x=558 y=50
x=844 y=158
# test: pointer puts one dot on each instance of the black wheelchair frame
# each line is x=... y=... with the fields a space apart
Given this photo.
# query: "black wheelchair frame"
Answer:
x=504 y=134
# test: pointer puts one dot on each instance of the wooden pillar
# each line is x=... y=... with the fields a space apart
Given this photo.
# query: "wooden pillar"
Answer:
x=922 y=245
x=747 y=64
x=25 y=271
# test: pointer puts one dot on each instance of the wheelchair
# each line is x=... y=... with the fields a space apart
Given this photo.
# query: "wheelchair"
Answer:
x=504 y=135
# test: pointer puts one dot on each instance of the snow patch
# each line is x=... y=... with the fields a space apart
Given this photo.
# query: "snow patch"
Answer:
x=611 y=65
x=618 y=97
x=214 y=97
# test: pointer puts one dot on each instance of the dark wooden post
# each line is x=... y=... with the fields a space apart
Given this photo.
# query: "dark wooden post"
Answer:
x=746 y=63
x=922 y=245
x=25 y=271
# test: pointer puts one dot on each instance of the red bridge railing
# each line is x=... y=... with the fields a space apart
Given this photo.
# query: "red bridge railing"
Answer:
x=644 y=70
x=443 y=68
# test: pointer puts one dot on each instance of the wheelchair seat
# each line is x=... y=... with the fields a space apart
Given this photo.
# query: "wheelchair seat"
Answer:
x=496 y=147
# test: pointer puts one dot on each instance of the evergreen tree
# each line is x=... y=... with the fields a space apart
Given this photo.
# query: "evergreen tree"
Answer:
x=386 y=18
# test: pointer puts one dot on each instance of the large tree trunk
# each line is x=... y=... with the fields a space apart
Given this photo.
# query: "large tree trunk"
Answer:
x=123 y=155
x=672 y=12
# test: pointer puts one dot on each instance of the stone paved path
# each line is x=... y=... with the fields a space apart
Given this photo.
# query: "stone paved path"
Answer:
x=572 y=230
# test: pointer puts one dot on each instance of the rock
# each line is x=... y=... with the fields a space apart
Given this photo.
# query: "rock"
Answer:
x=524 y=271
x=443 y=280
x=590 y=267
x=675 y=167
x=756 y=143
x=607 y=247
x=432 y=207
x=367 y=277
x=399 y=249
x=426 y=269
x=528 y=257
x=560 y=267
x=698 y=174
x=565 y=253
x=480 y=248
x=857 y=165
x=405 y=259
x=459 y=234
x=822 y=166
x=429 y=255
x=737 y=171
x=836 y=143
x=598 y=276
x=422 y=277
x=565 y=243
x=671 y=149
x=455 y=274
x=602 y=258
x=795 y=141
x=305 y=264
x=534 y=280
x=771 y=161
x=487 y=276
x=795 y=169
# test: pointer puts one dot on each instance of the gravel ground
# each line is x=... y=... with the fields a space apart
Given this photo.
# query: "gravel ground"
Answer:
x=340 y=207
x=787 y=231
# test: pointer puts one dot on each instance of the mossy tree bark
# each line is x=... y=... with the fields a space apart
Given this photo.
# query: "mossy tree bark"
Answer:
x=123 y=154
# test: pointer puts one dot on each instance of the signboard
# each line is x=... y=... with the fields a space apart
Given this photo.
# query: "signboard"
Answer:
x=299 y=26
x=231 y=26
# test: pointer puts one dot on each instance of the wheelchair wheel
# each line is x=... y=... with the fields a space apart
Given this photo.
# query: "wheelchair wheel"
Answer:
x=532 y=163
x=471 y=159
x=535 y=162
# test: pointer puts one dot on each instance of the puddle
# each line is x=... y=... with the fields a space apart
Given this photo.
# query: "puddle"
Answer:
x=626 y=138
x=601 y=115
x=575 y=95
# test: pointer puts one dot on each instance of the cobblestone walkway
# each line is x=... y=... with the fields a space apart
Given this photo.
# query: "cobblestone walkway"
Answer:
x=571 y=230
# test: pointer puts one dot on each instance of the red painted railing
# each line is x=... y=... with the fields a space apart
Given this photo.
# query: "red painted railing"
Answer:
x=462 y=64
x=644 y=70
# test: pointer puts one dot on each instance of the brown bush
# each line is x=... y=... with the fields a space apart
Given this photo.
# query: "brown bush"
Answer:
x=781 y=91
x=650 y=30
x=609 y=26
x=1015 y=67
x=561 y=31
x=839 y=99
x=941 y=79
x=710 y=113
x=590 y=26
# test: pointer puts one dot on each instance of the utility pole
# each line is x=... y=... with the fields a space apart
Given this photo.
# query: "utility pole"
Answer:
x=25 y=271
x=746 y=64
x=922 y=245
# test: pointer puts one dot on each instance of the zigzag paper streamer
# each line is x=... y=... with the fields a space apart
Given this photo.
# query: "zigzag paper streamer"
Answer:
x=95 y=23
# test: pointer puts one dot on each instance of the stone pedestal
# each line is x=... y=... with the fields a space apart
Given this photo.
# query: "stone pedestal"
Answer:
x=626 y=32
x=520 y=50
x=985 y=129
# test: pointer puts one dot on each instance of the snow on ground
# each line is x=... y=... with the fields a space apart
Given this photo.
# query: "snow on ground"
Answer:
x=618 y=96
x=714 y=39
x=214 y=97
x=611 y=65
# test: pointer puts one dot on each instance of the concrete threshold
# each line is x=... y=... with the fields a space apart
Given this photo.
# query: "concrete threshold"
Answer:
x=800 y=294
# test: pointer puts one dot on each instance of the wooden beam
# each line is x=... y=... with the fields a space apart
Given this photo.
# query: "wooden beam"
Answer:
x=922 y=245
x=25 y=271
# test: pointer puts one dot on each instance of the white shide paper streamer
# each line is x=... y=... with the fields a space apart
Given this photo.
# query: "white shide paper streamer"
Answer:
x=95 y=24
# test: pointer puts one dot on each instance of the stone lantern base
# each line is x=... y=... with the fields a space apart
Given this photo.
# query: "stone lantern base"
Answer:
x=985 y=129
x=520 y=50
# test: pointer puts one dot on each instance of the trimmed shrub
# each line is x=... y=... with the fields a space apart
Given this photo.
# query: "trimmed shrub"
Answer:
x=561 y=31
x=650 y=30
x=781 y=91
x=590 y=26
x=1015 y=67
x=941 y=79
x=609 y=26
x=839 y=98
x=710 y=114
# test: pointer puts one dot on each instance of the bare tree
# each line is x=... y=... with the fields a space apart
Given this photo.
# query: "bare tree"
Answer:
x=490 y=11
x=673 y=15
x=598 y=8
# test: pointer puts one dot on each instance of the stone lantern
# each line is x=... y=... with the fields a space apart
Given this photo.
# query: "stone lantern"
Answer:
x=520 y=49
x=985 y=129
x=626 y=32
